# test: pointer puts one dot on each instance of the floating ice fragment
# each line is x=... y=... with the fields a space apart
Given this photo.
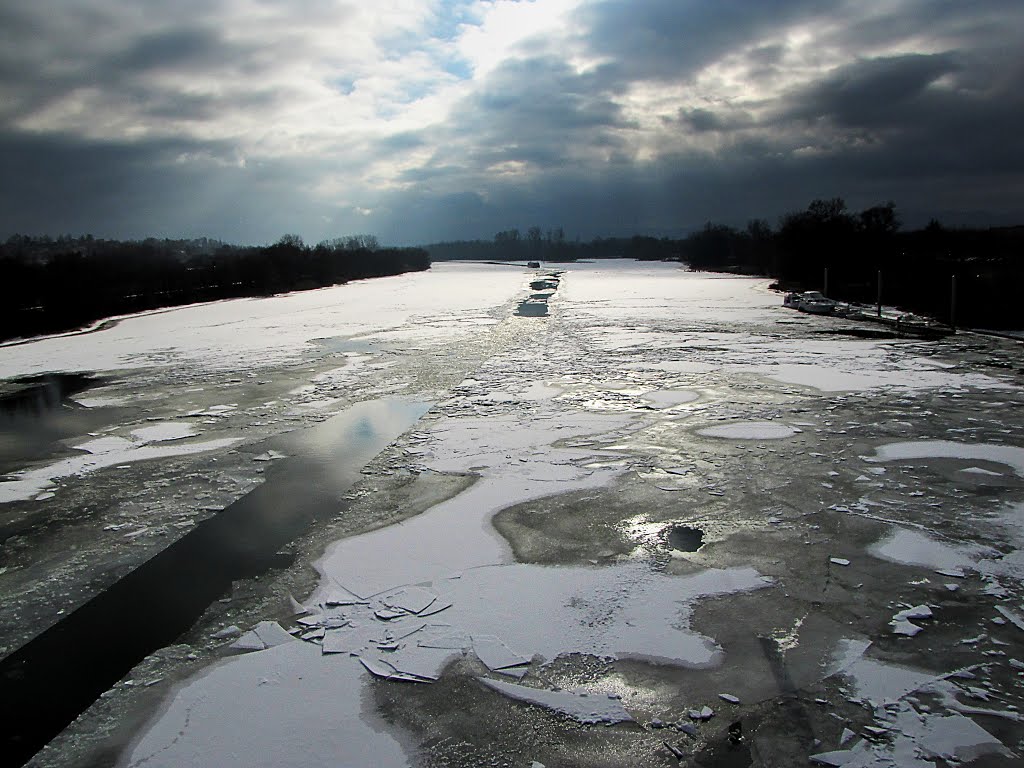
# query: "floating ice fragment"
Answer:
x=839 y=561
x=1015 y=618
x=729 y=698
x=223 y=634
x=956 y=738
x=833 y=759
x=336 y=595
x=495 y=654
x=387 y=614
x=583 y=708
x=272 y=633
x=422 y=663
x=270 y=456
x=250 y=641
x=845 y=736
x=377 y=667
x=902 y=626
x=446 y=637
x=411 y=599
x=750 y=430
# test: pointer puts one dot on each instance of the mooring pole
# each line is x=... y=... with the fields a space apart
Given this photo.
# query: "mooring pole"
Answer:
x=824 y=290
x=952 y=304
x=879 y=300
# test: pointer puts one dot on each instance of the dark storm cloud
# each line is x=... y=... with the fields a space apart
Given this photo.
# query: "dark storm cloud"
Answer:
x=756 y=108
x=190 y=47
x=674 y=39
x=537 y=111
x=873 y=91
x=924 y=128
x=162 y=188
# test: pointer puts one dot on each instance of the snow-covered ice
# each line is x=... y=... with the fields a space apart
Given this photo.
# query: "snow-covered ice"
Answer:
x=750 y=430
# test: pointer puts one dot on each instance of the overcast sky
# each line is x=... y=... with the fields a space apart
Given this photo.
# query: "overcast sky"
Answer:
x=420 y=120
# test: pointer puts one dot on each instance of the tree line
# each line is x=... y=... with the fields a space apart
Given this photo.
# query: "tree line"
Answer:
x=552 y=245
x=57 y=284
x=860 y=249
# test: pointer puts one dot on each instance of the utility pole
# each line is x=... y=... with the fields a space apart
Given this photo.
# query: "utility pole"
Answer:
x=952 y=303
x=879 y=300
x=824 y=290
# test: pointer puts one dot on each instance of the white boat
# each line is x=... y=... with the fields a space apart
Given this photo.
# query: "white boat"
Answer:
x=812 y=302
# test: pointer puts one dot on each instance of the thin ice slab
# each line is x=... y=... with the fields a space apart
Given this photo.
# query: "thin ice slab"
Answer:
x=411 y=599
x=585 y=708
x=495 y=654
x=266 y=634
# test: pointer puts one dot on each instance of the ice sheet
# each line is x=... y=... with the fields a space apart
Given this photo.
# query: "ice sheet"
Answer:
x=262 y=708
x=28 y=483
x=446 y=300
x=750 y=430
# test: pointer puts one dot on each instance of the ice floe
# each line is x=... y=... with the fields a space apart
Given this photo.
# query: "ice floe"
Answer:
x=101 y=454
x=750 y=430
x=901 y=624
x=581 y=706
x=912 y=547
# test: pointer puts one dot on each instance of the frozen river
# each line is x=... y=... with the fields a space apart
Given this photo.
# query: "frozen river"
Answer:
x=444 y=510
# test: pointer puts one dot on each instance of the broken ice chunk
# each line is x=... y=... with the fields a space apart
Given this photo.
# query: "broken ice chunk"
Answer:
x=581 y=707
x=423 y=663
x=902 y=626
x=377 y=667
x=1014 y=617
x=839 y=561
x=266 y=634
x=729 y=697
x=832 y=759
x=387 y=614
x=447 y=638
x=410 y=599
x=340 y=596
x=495 y=654
x=436 y=607
x=250 y=641
x=272 y=633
